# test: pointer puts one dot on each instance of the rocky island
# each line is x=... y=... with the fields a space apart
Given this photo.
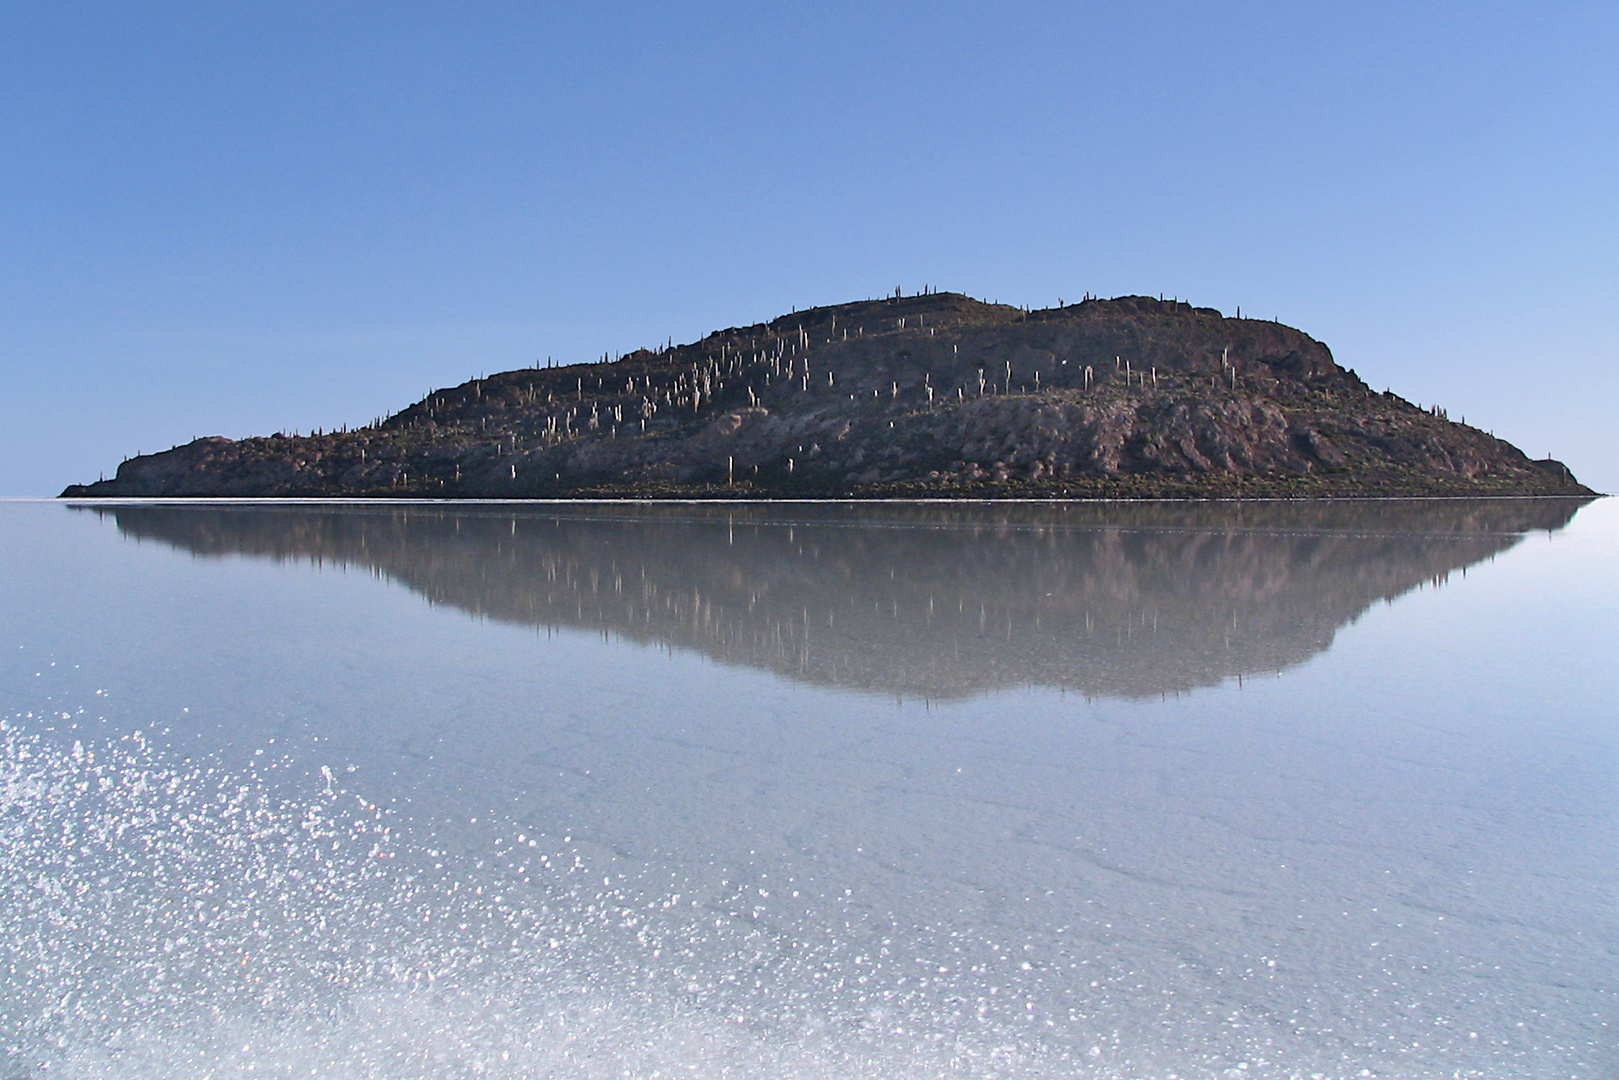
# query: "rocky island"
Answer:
x=935 y=395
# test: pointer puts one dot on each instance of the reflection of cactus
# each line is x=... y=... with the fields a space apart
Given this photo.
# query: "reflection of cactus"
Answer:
x=933 y=601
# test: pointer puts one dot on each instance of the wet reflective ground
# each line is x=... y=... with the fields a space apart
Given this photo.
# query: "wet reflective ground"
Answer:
x=1189 y=790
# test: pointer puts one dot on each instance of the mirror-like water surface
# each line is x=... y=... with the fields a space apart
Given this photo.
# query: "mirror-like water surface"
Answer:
x=1098 y=791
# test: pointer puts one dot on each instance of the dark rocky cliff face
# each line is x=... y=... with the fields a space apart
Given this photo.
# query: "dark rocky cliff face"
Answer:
x=919 y=396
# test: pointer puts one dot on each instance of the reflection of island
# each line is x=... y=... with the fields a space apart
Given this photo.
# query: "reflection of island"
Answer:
x=916 y=600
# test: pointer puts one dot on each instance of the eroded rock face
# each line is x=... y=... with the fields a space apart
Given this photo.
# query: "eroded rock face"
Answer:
x=930 y=395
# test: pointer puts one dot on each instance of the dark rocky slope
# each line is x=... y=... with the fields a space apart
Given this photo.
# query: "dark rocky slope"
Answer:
x=934 y=395
x=934 y=600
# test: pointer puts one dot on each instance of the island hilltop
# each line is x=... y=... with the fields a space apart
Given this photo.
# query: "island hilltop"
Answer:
x=937 y=395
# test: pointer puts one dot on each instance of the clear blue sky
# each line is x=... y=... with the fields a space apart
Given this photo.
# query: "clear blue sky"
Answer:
x=236 y=218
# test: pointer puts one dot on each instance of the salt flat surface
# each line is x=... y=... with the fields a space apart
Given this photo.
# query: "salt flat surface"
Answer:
x=1224 y=797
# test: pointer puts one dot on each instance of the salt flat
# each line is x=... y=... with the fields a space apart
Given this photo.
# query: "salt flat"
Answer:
x=440 y=791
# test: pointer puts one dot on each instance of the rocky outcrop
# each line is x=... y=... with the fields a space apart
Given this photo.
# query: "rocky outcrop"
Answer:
x=920 y=396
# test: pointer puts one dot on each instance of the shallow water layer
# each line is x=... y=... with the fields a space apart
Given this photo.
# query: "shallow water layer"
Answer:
x=1086 y=791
